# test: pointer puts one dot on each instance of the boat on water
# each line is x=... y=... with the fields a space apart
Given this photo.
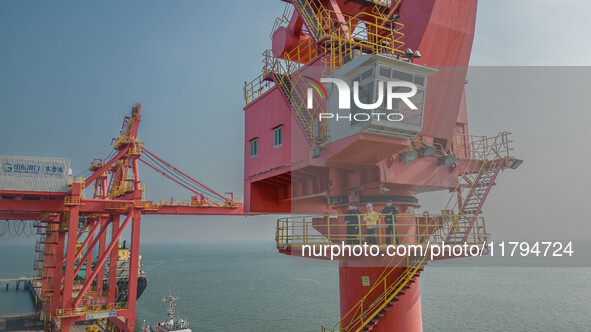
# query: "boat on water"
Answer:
x=172 y=322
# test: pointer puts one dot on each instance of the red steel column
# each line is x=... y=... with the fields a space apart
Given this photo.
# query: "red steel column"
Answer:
x=133 y=267
x=405 y=315
x=136 y=175
x=70 y=263
x=100 y=276
x=113 y=259
x=59 y=262
x=90 y=249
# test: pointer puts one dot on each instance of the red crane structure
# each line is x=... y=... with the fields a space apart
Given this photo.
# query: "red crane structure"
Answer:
x=84 y=233
x=309 y=151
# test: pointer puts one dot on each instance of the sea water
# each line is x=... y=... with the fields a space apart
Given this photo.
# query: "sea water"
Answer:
x=251 y=287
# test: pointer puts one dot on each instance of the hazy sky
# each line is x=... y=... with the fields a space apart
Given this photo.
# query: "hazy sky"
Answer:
x=70 y=71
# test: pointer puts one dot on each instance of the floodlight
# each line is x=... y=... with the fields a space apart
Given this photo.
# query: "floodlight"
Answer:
x=516 y=163
x=427 y=150
x=409 y=156
x=447 y=160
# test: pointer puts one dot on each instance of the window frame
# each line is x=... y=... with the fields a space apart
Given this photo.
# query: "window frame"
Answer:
x=254 y=141
x=278 y=129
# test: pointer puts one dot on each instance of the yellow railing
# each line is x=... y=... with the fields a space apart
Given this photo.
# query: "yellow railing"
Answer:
x=177 y=202
x=483 y=147
x=338 y=35
x=89 y=309
x=69 y=200
x=114 y=205
x=291 y=82
x=256 y=88
x=362 y=313
x=297 y=94
x=296 y=232
x=262 y=84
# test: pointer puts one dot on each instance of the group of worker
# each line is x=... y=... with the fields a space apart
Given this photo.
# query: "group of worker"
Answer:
x=371 y=218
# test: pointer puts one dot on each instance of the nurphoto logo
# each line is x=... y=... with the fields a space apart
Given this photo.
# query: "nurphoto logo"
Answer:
x=392 y=92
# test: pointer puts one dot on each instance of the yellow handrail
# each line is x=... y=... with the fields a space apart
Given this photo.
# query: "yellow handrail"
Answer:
x=296 y=232
x=82 y=310
x=389 y=293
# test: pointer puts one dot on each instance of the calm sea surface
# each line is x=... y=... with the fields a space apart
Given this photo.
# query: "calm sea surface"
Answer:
x=250 y=287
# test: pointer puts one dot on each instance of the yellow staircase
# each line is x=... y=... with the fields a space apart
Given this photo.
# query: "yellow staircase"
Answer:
x=365 y=315
x=486 y=157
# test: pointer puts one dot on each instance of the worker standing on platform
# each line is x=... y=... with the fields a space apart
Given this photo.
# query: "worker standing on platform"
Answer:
x=371 y=219
x=352 y=221
x=390 y=212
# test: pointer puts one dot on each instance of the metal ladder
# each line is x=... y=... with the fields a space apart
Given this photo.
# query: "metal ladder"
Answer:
x=472 y=192
x=315 y=131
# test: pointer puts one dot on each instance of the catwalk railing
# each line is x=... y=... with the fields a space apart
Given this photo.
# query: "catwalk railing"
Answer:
x=410 y=229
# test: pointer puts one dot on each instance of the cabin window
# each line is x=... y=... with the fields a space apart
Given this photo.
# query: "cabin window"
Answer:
x=398 y=75
x=385 y=72
x=254 y=147
x=278 y=136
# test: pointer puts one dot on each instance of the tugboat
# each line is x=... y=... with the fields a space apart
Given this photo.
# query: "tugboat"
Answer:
x=172 y=322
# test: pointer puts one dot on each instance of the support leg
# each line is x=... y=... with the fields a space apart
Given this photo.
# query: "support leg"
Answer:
x=133 y=268
x=113 y=260
x=70 y=258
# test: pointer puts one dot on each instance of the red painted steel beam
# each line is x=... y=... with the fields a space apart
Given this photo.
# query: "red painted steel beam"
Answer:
x=21 y=207
x=26 y=206
x=88 y=239
x=102 y=236
x=20 y=216
x=134 y=251
x=57 y=281
x=333 y=4
x=118 y=323
x=113 y=259
x=136 y=123
x=70 y=253
x=32 y=193
x=196 y=210
x=89 y=251
x=103 y=169
x=169 y=165
x=102 y=260
x=136 y=175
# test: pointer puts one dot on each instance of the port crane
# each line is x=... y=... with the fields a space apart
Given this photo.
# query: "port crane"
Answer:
x=78 y=232
x=295 y=164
